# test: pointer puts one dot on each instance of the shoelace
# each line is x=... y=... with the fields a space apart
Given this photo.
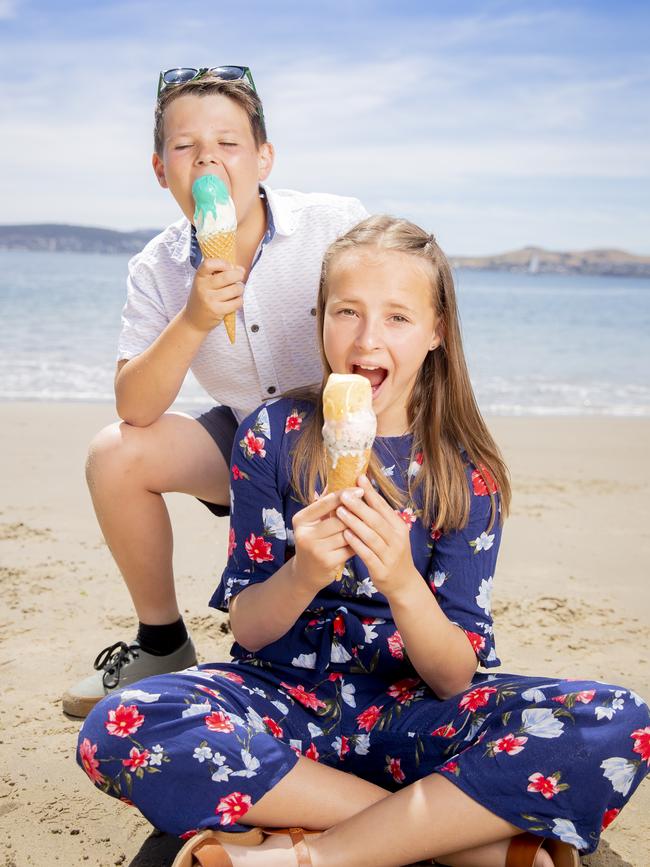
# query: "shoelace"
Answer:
x=111 y=659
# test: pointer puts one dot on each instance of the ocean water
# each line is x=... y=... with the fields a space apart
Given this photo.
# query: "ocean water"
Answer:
x=535 y=344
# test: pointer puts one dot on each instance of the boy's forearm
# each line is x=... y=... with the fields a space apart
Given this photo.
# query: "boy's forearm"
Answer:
x=263 y=613
x=438 y=649
x=147 y=385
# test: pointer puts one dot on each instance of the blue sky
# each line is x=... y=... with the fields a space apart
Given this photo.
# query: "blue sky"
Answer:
x=493 y=124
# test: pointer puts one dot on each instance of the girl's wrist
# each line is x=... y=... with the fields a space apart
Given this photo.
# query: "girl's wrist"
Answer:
x=406 y=593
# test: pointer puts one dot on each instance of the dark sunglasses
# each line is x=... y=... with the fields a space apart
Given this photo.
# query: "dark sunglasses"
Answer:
x=182 y=74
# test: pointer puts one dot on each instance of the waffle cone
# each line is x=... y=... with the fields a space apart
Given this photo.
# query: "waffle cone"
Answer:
x=344 y=475
x=222 y=246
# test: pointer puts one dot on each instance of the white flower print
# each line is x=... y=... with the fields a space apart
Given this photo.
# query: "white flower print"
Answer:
x=156 y=756
x=232 y=500
x=273 y=524
x=638 y=701
x=540 y=722
x=139 y=695
x=566 y=831
x=388 y=471
x=197 y=709
x=414 y=469
x=484 y=597
x=366 y=588
x=533 y=694
x=304 y=660
x=280 y=706
x=262 y=423
x=492 y=655
x=222 y=774
x=201 y=754
x=347 y=694
x=337 y=744
x=488 y=628
x=483 y=542
x=254 y=720
x=314 y=730
x=338 y=653
x=218 y=759
x=369 y=630
x=291 y=539
x=439 y=579
x=296 y=745
x=251 y=765
x=362 y=745
x=603 y=712
x=620 y=773
x=236 y=720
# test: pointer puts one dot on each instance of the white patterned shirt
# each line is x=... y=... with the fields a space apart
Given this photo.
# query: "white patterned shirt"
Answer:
x=276 y=345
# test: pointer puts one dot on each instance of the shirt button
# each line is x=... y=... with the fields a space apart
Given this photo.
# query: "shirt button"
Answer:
x=271 y=389
x=313 y=311
x=255 y=328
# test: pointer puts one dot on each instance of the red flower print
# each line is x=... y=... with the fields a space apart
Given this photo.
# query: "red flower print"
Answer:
x=447 y=731
x=253 y=445
x=608 y=817
x=509 y=744
x=312 y=753
x=344 y=748
x=229 y=675
x=212 y=692
x=218 y=721
x=89 y=762
x=546 y=786
x=642 y=743
x=368 y=718
x=126 y=801
x=408 y=517
x=396 y=645
x=308 y=699
x=393 y=766
x=136 y=759
x=482 y=482
x=338 y=625
x=477 y=641
x=187 y=834
x=451 y=767
x=335 y=675
x=124 y=721
x=233 y=807
x=476 y=698
x=236 y=472
x=404 y=690
x=232 y=544
x=273 y=727
x=419 y=458
x=435 y=533
x=293 y=422
x=257 y=549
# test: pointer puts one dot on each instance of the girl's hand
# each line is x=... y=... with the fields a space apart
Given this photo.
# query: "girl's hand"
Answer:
x=216 y=291
x=376 y=534
x=320 y=546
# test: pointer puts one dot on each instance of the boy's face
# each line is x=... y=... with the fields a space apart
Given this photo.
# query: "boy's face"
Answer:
x=211 y=135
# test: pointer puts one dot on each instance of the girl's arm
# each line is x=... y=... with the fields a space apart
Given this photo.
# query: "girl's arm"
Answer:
x=263 y=613
x=439 y=650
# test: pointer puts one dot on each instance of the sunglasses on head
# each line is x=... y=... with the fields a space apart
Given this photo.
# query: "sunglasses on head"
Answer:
x=183 y=74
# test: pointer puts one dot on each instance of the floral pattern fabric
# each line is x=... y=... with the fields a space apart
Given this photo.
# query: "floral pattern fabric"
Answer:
x=197 y=749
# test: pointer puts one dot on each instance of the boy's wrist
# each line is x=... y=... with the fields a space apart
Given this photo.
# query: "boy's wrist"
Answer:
x=192 y=326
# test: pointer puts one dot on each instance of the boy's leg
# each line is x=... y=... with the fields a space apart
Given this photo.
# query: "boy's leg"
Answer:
x=128 y=470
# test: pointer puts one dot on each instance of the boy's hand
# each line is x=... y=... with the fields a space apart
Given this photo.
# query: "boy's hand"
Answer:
x=216 y=291
x=378 y=535
x=320 y=546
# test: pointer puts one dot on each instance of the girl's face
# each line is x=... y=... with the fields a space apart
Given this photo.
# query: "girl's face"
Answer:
x=379 y=321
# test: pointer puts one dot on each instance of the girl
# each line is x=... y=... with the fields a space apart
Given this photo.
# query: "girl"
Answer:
x=354 y=708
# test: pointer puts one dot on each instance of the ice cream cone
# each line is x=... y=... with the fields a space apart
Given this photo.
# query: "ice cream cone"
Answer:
x=348 y=432
x=222 y=245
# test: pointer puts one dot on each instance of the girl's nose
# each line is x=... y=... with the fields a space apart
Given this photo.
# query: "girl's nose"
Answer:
x=368 y=336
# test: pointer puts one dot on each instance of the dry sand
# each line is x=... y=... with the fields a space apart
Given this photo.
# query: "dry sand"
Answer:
x=572 y=598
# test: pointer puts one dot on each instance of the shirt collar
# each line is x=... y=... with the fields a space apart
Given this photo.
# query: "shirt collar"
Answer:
x=265 y=194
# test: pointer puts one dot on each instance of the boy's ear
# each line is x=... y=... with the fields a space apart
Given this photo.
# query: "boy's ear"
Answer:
x=265 y=159
x=159 y=170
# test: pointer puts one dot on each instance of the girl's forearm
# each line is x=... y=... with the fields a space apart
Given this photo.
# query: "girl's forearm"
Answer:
x=263 y=613
x=147 y=385
x=438 y=650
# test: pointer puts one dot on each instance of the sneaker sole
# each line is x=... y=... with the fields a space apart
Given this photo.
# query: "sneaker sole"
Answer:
x=78 y=707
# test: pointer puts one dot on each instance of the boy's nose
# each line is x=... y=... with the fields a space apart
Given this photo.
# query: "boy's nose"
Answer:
x=207 y=157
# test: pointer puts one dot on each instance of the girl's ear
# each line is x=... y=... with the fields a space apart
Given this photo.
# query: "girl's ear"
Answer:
x=438 y=335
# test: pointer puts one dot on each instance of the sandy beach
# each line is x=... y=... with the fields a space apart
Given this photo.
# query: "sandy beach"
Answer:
x=571 y=598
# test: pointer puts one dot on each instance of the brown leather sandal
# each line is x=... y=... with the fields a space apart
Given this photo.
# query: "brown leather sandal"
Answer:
x=524 y=847
x=205 y=848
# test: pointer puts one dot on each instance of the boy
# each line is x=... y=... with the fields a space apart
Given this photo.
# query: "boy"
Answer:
x=207 y=121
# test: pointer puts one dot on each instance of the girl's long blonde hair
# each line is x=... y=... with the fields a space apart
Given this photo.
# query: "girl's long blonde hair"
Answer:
x=443 y=415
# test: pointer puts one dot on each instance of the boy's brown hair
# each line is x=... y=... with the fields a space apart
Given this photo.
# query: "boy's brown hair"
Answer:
x=238 y=91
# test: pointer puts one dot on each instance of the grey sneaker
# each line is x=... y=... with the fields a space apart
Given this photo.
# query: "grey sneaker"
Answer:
x=119 y=665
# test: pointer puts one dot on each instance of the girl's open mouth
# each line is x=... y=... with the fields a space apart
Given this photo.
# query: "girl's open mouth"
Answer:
x=374 y=375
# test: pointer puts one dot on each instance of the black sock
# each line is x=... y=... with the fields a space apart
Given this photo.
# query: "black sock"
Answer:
x=162 y=640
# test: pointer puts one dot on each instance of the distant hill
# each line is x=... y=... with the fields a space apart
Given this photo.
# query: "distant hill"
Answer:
x=73 y=239
x=536 y=260
x=533 y=260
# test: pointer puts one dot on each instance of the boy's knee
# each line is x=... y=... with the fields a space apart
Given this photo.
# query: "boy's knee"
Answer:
x=116 y=448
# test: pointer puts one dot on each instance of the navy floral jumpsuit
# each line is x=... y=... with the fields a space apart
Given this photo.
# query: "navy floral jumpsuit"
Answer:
x=197 y=749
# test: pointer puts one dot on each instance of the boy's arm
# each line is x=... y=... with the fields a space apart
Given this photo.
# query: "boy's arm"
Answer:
x=146 y=385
